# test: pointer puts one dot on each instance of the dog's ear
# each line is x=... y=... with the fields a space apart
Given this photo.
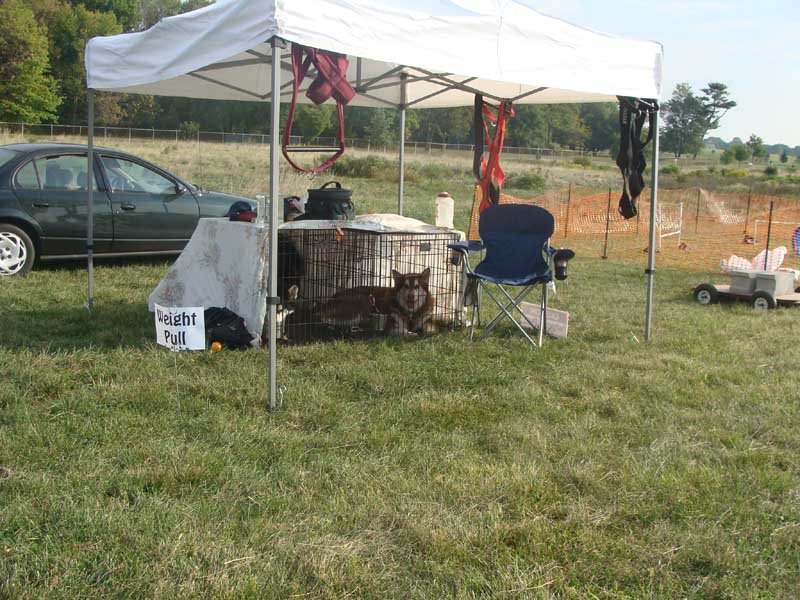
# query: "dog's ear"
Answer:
x=425 y=276
x=398 y=278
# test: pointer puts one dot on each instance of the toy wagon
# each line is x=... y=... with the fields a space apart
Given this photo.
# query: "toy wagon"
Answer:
x=762 y=289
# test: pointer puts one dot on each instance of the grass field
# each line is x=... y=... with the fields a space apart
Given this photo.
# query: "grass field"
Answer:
x=597 y=467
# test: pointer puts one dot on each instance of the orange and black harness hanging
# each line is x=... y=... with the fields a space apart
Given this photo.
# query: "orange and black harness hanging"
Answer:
x=331 y=81
x=489 y=174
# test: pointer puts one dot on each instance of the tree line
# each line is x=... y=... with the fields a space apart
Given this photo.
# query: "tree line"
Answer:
x=42 y=79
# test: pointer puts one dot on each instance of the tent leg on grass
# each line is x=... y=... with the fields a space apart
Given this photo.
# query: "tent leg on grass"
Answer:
x=90 y=205
x=274 y=163
x=403 y=77
x=651 y=251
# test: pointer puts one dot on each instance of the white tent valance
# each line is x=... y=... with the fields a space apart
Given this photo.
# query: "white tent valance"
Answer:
x=445 y=49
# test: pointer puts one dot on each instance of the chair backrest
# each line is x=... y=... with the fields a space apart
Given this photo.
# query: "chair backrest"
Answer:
x=515 y=236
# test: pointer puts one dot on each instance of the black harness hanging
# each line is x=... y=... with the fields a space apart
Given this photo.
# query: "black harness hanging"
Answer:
x=630 y=160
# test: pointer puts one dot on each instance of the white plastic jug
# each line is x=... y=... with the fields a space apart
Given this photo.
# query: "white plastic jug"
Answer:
x=444 y=210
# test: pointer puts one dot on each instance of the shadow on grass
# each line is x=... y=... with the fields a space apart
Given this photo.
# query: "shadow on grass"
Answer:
x=73 y=327
x=79 y=264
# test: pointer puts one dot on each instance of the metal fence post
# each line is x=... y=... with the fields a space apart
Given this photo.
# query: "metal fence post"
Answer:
x=747 y=216
x=769 y=234
x=608 y=222
x=566 y=219
x=697 y=212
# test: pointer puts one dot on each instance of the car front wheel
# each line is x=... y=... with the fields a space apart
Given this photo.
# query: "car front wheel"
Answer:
x=763 y=300
x=17 y=251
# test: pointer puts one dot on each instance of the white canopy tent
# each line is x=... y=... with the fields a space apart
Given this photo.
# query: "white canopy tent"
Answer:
x=410 y=54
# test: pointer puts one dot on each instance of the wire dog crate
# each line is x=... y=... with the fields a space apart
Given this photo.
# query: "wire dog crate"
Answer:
x=340 y=282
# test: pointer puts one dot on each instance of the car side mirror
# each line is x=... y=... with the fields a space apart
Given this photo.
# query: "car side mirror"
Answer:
x=179 y=189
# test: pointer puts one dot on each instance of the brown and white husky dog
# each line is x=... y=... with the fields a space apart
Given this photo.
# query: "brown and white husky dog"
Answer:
x=407 y=307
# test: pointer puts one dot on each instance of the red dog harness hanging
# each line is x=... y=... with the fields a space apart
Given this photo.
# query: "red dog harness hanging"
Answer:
x=331 y=81
x=489 y=174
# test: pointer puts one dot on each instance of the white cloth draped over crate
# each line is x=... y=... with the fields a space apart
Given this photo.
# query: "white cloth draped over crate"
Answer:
x=225 y=264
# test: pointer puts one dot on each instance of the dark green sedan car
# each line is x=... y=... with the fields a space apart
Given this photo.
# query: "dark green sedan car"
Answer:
x=139 y=208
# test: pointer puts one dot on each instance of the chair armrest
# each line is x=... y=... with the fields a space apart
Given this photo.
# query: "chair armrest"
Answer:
x=465 y=248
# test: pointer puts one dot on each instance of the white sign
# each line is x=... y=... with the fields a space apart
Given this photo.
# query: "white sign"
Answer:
x=557 y=320
x=181 y=328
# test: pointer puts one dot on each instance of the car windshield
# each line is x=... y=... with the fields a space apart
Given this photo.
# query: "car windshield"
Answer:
x=6 y=155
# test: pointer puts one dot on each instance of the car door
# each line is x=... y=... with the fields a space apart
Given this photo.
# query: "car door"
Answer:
x=152 y=212
x=52 y=189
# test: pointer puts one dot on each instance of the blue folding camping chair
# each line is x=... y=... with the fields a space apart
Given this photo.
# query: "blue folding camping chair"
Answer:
x=516 y=238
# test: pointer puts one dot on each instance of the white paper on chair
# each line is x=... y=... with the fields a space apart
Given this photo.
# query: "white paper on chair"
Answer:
x=557 y=320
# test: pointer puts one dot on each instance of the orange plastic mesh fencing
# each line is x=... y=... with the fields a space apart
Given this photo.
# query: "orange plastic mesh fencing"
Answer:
x=696 y=230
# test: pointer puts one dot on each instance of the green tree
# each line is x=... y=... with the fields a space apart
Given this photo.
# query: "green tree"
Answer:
x=126 y=12
x=602 y=121
x=311 y=121
x=784 y=156
x=564 y=125
x=741 y=153
x=688 y=118
x=756 y=146
x=152 y=11
x=452 y=125
x=27 y=91
x=716 y=104
x=684 y=122
x=70 y=30
x=528 y=127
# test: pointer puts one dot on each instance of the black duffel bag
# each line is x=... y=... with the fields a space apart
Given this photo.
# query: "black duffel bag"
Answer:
x=226 y=327
x=330 y=203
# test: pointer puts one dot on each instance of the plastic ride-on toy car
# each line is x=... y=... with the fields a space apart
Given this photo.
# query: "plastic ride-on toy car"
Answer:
x=762 y=289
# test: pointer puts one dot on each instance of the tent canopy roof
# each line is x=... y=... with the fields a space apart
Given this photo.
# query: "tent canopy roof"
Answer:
x=446 y=49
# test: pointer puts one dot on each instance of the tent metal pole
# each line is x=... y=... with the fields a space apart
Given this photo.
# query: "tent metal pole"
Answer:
x=90 y=204
x=651 y=252
x=401 y=174
x=274 y=164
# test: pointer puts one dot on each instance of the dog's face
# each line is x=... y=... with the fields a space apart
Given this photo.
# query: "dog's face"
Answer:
x=411 y=290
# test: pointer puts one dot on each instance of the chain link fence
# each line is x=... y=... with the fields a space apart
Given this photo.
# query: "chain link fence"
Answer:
x=102 y=134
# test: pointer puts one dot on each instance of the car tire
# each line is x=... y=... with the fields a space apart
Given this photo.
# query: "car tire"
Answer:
x=763 y=300
x=17 y=252
x=706 y=294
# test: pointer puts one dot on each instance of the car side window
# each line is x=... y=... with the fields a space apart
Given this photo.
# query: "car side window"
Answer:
x=128 y=176
x=27 y=179
x=66 y=172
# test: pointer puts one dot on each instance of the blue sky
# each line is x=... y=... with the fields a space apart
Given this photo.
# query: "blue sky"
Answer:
x=753 y=47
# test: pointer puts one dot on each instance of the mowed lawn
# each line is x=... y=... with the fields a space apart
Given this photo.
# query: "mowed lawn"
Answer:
x=598 y=467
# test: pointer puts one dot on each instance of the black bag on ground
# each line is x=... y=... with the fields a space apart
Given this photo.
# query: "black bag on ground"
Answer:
x=227 y=328
x=330 y=203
